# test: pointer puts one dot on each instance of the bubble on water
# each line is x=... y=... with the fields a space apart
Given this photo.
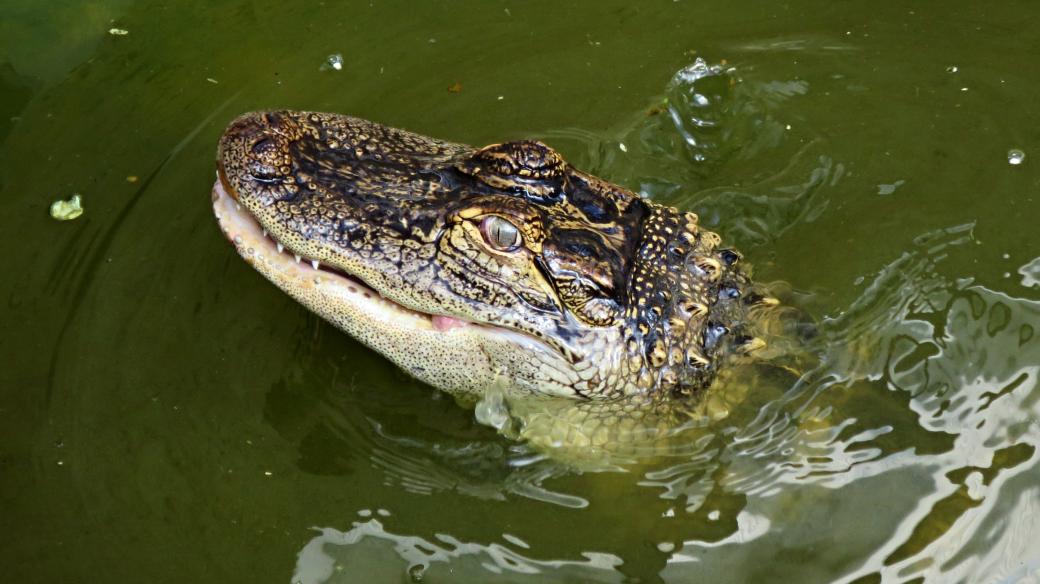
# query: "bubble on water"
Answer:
x=1016 y=157
x=666 y=547
x=951 y=69
x=334 y=62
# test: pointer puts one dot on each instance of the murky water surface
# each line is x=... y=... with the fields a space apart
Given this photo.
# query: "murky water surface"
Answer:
x=168 y=416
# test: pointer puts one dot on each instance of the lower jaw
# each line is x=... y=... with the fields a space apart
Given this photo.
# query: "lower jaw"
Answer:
x=299 y=276
x=454 y=355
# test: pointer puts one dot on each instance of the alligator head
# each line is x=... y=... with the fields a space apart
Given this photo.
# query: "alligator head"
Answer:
x=472 y=267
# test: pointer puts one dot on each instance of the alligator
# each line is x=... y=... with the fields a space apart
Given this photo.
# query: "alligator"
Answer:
x=471 y=268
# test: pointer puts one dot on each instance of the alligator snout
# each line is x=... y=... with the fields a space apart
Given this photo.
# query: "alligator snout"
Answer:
x=257 y=145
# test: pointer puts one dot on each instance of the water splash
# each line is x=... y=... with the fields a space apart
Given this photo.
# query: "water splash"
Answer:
x=710 y=115
x=713 y=117
x=696 y=95
x=492 y=410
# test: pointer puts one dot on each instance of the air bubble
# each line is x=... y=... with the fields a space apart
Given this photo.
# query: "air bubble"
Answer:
x=334 y=62
x=951 y=69
x=1016 y=157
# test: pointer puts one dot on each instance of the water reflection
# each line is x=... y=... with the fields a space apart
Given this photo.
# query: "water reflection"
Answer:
x=369 y=549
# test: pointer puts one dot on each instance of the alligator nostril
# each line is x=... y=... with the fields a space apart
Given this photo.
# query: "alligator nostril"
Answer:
x=263 y=146
x=265 y=174
x=267 y=158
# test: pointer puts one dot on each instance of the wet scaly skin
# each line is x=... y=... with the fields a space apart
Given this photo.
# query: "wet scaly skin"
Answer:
x=470 y=268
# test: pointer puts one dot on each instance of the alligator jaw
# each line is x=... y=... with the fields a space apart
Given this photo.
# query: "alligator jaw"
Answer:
x=368 y=316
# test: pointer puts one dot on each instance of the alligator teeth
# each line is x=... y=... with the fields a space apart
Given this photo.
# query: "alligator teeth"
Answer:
x=281 y=248
x=238 y=207
x=298 y=258
x=314 y=264
x=265 y=233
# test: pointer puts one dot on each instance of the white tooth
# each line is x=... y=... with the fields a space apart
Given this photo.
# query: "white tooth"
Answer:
x=281 y=248
x=238 y=207
x=298 y=258
x=314 y=264
x=265 y=233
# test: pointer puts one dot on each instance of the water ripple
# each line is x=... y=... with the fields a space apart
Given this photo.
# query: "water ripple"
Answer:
x=368 y=548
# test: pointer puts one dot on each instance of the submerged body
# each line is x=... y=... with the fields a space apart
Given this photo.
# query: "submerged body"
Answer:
x=501 y=267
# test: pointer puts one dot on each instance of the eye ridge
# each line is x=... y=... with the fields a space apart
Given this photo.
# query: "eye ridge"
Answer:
x=500 y=233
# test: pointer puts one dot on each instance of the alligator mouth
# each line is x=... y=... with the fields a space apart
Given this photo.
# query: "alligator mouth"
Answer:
x=291 y=271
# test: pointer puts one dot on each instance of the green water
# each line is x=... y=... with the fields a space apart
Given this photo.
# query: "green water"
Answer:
x=168 y=416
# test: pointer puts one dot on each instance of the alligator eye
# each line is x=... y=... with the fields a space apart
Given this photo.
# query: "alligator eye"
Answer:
x=500 y=233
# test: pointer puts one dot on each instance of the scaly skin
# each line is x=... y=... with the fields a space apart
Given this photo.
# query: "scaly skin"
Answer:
x=602 y=295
